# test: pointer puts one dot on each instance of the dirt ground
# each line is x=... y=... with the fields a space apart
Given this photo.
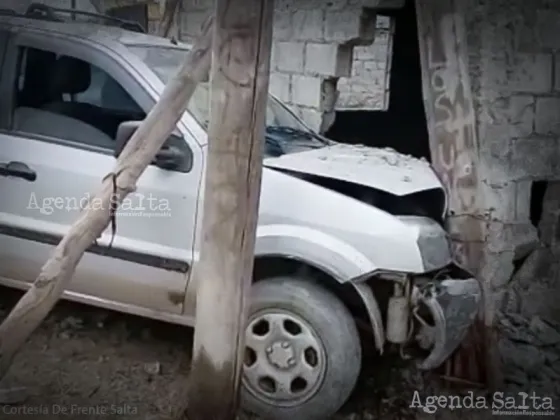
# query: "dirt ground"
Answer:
x=87 y=363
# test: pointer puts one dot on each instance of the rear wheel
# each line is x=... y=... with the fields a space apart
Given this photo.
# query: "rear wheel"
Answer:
x=303 y=353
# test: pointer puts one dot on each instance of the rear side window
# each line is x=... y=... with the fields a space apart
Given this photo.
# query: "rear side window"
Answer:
x=4 y=35
x=105 y=92
x=66 y=98
x=4 y=98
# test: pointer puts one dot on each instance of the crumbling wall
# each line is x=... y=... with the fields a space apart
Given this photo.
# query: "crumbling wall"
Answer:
x=326 y=55
x=367 y=88
x=514 y=64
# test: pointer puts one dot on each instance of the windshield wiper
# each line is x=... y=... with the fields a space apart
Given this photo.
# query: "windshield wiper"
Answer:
x=294 y=132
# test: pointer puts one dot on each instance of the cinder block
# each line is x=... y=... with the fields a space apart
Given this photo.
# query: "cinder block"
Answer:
x=374 y=52
x=533 y=158
x=508 y=116
x=523 y=200
x=289 y=56
x=329 y=95
x=547 y=118
x=531 y=73
x=369 y=71
x=328 y=59
x=291 y=5
x=383 y=22
x=495 y=155
x=499 y=200
x=521 y=115
x=557 y=71
x=306 y=91
x=382 y=4
x=312 y=117
x=549 y=225
x=353 y=26
x=283 y=26
x=548 y=28
x=308 y=25
x=519 y=238
x=273 y=59
x=280 y=86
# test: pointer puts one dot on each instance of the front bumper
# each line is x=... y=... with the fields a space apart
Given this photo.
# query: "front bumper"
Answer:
x=453 y=306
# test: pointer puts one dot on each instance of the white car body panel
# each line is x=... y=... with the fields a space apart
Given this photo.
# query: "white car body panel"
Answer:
x=316 y=228
x=383 y=169
x=66 y=174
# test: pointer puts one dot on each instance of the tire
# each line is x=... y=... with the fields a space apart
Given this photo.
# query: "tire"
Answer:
x=284 y=304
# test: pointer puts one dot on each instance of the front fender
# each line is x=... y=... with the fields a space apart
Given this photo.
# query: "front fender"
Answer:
x=330 y=255
x=323 y=251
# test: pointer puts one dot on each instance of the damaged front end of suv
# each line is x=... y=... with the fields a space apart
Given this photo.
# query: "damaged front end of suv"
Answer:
x=387 y=213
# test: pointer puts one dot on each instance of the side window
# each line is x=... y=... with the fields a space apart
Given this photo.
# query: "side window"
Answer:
x=105 y=92
x=4 y=98
x=69 y=99
x=4 y=35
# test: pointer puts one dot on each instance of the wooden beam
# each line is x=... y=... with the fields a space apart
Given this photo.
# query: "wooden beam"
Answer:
x=452 y=129
x=140 y=150
x=240 y=74
x=169 y=18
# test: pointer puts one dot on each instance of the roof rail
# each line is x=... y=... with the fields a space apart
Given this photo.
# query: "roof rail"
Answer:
x=7 y=12
x=44 y=12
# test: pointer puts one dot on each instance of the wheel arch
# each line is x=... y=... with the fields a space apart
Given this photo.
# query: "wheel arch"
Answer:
x=359 y=298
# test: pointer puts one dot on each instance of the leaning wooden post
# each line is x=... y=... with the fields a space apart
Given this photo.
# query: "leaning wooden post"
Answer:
x=140 y=150
x=240 y=73
x=170 y=15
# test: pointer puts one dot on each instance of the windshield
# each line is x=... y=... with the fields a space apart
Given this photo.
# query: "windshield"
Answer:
x=284 y=132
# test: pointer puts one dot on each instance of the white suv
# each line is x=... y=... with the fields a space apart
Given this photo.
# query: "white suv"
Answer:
x=344 y=231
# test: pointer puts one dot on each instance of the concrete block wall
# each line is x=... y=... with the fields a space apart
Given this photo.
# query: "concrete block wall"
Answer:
x=326 y=55
x=512 y=63
x=514 y=48
x=367 y=88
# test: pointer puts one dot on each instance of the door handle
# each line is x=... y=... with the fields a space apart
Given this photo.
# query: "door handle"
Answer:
x=19 y=170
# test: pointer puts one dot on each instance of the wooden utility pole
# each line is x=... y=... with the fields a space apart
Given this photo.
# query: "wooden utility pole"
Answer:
x=239 y=77
x=140 y=150
x=168 y=19
x=452 y=128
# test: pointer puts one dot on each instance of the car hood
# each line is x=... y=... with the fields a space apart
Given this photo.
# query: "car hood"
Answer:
x=383 y=169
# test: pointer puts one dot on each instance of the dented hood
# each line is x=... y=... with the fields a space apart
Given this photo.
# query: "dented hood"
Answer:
x=382 y=169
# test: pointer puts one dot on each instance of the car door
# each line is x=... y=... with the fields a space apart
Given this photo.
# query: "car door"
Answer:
x=146 y=267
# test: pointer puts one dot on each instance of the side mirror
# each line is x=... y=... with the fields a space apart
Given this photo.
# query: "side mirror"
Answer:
x=174 y=154
x=124 y=133
x=169 y=157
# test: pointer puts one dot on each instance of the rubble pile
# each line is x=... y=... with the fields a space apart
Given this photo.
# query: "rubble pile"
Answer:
x=530 y=349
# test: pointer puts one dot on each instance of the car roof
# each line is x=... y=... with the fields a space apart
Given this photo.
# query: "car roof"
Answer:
x=102 y=34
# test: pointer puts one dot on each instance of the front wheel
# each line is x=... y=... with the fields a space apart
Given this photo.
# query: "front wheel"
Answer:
x=303 y=352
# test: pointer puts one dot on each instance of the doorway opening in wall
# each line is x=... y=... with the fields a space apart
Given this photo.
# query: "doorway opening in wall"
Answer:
x=403 y=125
